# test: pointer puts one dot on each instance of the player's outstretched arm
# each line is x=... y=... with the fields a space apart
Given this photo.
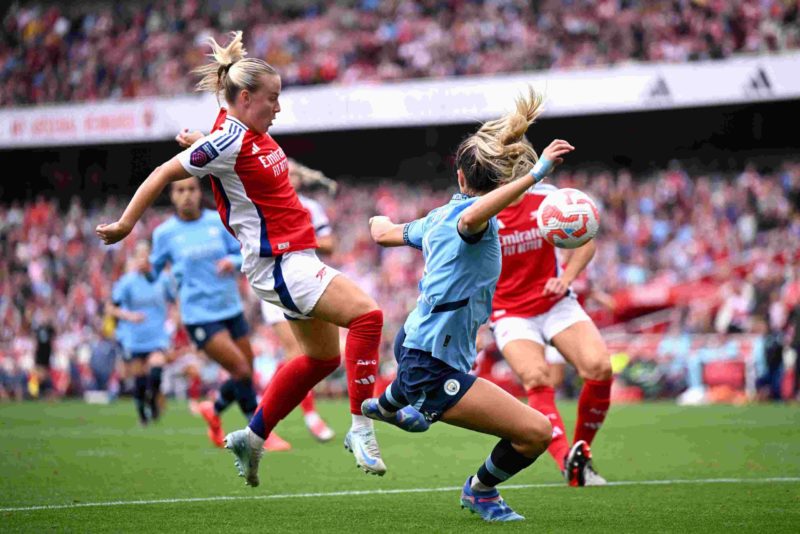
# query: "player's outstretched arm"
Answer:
x=577 y=260
x=476 y=217
x=124 y=315
x=148 y=192
x=185 y=138
x=386 y=233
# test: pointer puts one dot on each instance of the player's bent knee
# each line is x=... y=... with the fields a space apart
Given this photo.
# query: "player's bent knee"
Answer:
x=534 y=435
x=241 y=371
x=533 y=377
x=543 y=433
x=365 y=305
x=372 y=318
x=597 y=369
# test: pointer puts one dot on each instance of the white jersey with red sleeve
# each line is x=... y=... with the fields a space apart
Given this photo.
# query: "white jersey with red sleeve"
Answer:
x=528 y=260
x=250 y=177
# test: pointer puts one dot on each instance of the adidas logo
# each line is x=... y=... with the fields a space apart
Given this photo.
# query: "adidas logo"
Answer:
x=659 y=91
x=365 y=381
x=255 y=148
x=759 y=84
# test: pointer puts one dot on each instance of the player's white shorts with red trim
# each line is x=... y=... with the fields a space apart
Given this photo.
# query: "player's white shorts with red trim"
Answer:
x=293 y=282
x=540 y=328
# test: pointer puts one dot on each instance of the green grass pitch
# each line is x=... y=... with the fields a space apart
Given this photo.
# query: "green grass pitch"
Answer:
x=81 y=468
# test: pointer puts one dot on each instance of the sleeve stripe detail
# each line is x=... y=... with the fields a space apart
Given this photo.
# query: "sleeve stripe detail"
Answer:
x=224 y=138
x=226 y=141
x=235 y=121
x=406 y=240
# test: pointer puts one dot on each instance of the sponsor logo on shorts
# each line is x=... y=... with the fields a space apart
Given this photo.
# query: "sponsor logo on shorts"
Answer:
x=367 y=362
x=452 y=386
x=321 y=273
x=283 y=246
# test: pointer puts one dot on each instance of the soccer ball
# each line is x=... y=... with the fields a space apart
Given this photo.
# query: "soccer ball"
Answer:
x=568 y=218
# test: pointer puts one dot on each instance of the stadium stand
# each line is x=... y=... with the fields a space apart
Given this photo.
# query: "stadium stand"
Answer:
x=74 y=52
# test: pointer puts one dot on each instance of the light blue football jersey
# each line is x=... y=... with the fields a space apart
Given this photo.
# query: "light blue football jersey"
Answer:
x=194 y=248
x=148 y=295
x=457 y=286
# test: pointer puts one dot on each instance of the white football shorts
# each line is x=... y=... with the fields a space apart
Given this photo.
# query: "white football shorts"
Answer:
x=541 y=328
x=271 y=313
x=293 y=282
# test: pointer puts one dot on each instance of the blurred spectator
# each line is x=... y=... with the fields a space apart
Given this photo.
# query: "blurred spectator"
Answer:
x=87 y=51
x=103 y=361
x=45 y=334
x=12 y=380
x=738 y=303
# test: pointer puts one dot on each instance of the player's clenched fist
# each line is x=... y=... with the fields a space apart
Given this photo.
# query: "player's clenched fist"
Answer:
x=111 y=233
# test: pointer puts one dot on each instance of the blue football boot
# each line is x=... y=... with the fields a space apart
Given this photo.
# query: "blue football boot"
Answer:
x=488 y=504
x=406 y=418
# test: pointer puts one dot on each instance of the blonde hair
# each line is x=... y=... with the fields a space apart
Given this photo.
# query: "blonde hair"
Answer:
x=231 y=71
x=499 y=152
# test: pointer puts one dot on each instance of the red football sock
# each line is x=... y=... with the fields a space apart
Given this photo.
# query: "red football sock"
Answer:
x=592 y=408
x=361 y=357
x=307 y=404
x=287 y=388
x=543 y=398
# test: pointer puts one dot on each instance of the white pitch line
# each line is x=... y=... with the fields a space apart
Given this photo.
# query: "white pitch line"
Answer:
x=386 y=492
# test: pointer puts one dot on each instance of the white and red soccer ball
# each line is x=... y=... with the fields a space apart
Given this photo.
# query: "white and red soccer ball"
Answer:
x=568 y=218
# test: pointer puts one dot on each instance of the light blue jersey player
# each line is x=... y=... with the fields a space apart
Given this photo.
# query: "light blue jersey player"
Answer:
x=436 y=348
x=139 y=302
x=205 y=260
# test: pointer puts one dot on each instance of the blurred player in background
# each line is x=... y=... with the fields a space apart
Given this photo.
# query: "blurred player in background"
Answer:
x=534 y=307
x=205 y=261
x=436 y=348
x=45 y=331
x=139 y=303
x=249 y=173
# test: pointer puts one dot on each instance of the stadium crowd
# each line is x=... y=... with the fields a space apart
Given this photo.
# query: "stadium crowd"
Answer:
x=71 y=52
x=669 y=227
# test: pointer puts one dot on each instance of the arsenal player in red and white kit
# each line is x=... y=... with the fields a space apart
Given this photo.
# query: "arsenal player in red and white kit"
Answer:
x=534 y=308
x=258 y=205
